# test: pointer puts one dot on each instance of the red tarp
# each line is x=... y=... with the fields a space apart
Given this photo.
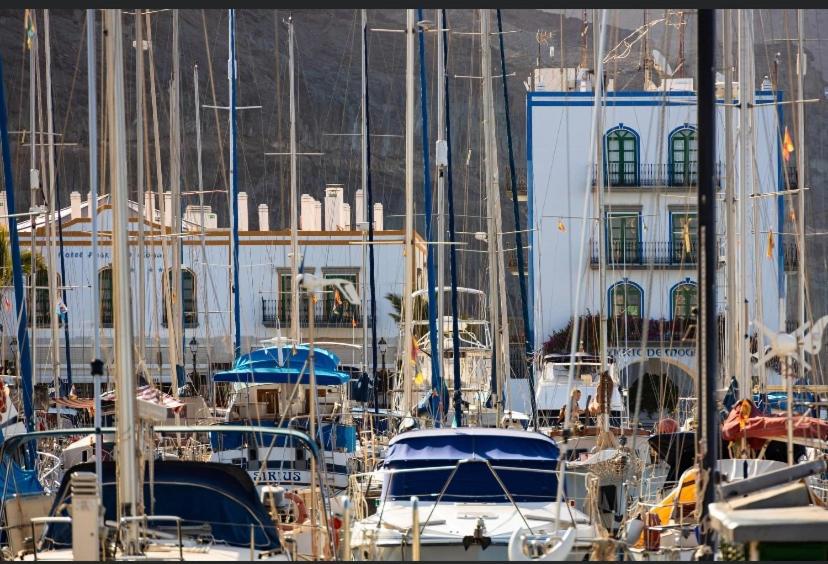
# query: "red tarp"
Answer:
x=145 y=393
x=745 y=420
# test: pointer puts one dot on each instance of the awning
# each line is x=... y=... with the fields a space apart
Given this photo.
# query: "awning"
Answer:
x=746 y=421
x=277 y=375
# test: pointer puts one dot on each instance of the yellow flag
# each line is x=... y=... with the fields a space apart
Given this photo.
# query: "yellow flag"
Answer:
x=561 y=227
x=770 y=243
x=419 y=378
x=787 y=145
x=314 y=299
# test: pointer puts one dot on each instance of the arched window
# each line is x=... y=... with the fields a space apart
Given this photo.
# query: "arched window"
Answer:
x=187 y=303
x=626 y=299
x=684 y=297
x=622 y=157
x=105 y=291
x=683 y=157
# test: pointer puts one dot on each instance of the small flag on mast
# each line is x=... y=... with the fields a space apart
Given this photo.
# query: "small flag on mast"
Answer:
x=686 y=230
x=787 y=145
x=770 y=243
x=29 y=25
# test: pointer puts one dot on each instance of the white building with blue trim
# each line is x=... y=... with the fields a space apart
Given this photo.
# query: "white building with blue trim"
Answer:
x=648 y=212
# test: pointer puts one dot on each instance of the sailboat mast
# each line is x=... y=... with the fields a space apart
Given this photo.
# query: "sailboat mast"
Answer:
x=408 y=286
x=202 y=229
x=440 y=161
x=747 y=93
x=93 y=216
x=364 y=154
x=234 y=192
x=139 y=179
x=52 y=223
x=176 y=332
x=800 y=216
x=294 y=204
x=497 y=289
x=34 y=185
x=708 y=349
x=599 y=195
x=128 y=453
x=733 y=318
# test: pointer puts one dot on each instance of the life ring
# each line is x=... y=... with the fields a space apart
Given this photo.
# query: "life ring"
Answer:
x=3 y=405
x=301 y=510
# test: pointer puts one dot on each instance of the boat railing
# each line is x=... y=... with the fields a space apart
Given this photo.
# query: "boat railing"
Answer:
x=356 y=491
x=43 y=521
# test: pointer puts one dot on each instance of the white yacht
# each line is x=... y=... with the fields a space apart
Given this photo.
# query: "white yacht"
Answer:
x=476 y=487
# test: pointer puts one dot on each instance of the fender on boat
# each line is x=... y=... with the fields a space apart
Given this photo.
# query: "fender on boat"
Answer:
x=560 y=549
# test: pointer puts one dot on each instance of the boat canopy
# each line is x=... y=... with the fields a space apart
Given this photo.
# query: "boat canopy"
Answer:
x=427 y=459
x=284 y=365
x=219 y=497
x=745 y=420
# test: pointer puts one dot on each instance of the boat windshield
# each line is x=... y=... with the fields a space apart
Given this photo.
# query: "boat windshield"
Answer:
x=471 y=465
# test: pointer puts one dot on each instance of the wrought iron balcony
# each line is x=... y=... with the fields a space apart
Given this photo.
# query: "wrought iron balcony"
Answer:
x=345 y=316
x=644 y=175
x=638 y=254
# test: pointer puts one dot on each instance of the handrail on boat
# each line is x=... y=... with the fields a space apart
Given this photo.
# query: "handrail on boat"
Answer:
x=13 y=442
x=147 y=518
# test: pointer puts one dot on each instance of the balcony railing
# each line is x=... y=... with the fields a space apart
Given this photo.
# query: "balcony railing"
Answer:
x=642 y=175
x=622 y=331
x=647 y=253
x=347 y=316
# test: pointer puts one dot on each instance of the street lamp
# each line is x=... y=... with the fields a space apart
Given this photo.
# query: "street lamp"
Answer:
x=194 y=350
x=13 y=349
x=383 y=347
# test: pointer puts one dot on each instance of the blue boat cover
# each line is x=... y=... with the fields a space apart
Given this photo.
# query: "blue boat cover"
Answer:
x=18 y=481
x=262 y=367
x=220 y=495
x=473 y=481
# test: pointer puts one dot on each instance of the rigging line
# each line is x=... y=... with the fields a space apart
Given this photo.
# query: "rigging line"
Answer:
x=437 y=403
x=527 y=324
x=213 y=92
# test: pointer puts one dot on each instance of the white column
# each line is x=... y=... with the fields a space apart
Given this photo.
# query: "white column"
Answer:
x=75 y=204
x=359 y=206
x=243 y=225
x=378 y=220
x=345 y=222
x=264 y=220
x=317 y=215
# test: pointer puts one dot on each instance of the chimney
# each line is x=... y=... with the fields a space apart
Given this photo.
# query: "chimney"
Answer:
x=346 y=217
x=378 y=226
x=264 y=220
x=306 y=208
x=75 y=204
x=4 y=210
x=333 y=207
x=359 y=207
x=168 y=209
x=149 y=205
x=242 y=219
x=317 y=215
x=89 y=204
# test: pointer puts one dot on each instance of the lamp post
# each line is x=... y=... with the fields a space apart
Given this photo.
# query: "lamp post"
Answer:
x=383 y=347
x=13 y=349
x=193 y=350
